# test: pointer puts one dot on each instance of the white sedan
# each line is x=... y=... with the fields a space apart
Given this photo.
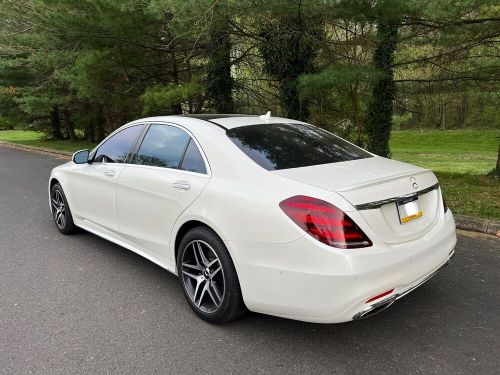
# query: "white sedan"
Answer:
x=261 y=213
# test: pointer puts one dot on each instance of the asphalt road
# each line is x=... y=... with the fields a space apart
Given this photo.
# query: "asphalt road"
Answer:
x=80 y=304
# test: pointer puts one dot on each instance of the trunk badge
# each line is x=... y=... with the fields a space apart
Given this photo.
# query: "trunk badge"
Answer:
x=413 y=181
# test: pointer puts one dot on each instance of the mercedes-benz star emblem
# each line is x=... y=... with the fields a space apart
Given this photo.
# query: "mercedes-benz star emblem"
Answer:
x=413 y=181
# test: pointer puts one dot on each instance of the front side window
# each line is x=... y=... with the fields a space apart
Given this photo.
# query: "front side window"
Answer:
x=163 y=146
x=117 y=149
x=282 y=146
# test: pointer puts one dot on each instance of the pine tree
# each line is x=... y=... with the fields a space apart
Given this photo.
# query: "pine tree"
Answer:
x=291 y=39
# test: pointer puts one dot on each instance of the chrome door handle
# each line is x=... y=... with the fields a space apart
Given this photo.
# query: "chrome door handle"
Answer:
x=109 y=173
x=181 y=185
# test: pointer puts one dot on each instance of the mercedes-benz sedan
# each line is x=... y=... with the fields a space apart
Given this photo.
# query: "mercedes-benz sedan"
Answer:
x=261 y=213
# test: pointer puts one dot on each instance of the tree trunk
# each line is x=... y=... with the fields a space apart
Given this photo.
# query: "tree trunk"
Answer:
x=101 y=132
x=70 y=126
x=497 y=169
x=416 y=116
x=177 y=107
x=289 y=46
x=463 y=112
x=294 y=108
x=109 y=123
x=190 y=77
x=379 y=121
x=220 y=83
x=442 y=113
x=56 y=123
x=355 y=114
x=90 y=132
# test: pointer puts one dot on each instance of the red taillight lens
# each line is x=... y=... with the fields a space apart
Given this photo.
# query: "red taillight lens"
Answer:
x=325 y=222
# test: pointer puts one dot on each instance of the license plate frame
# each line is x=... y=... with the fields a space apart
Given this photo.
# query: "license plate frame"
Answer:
x=409 y=209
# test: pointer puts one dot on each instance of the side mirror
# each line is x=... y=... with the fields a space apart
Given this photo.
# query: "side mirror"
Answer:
x=81 y=157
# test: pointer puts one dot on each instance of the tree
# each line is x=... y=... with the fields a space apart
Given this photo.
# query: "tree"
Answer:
x=219 y=80
x=379 y=122
x=458 y=31
x=352 y=66
x=337 y=89
x=496 y=171
x=291 y=38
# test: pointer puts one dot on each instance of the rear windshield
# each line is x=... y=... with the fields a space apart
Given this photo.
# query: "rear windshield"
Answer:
x=282 y=146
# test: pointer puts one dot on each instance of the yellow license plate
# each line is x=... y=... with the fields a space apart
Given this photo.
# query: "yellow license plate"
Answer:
x=409 y=209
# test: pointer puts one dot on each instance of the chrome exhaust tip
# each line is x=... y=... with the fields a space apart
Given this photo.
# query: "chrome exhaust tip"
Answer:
x=382 y=305
x=375 y=308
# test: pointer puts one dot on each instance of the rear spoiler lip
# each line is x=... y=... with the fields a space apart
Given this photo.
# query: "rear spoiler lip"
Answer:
x=383 y=179
x=378 y=204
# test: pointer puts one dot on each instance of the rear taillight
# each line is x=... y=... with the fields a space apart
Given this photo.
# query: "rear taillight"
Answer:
x=325 y=222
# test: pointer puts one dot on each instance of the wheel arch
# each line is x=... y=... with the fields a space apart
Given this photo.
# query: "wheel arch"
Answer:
x=186 y=227
x=191 y=223
x=58 y=177
x=53 y=181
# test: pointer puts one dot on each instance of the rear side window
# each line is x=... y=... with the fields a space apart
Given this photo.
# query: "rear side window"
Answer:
x=282 y=146
x=163 y=146
x=193 y=161
x=118 y=148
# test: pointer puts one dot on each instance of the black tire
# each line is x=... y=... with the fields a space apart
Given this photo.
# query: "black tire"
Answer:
x=61 y=213
x=230 y=303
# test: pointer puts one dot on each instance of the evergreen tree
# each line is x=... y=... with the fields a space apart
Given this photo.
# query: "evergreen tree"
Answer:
x=83 y=68
x=379 y=122
x=219 y=79
x=291 y=38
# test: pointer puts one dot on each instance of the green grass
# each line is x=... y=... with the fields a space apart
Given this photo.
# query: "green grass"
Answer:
x=452 y=151
x=471 y=195
x=38 y=139
x=461 y=160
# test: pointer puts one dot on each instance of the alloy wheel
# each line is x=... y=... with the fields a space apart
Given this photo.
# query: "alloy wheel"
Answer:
x=203 y=276
x=58 y=209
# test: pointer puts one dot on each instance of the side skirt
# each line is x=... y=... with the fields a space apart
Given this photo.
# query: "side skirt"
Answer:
x=116 y=239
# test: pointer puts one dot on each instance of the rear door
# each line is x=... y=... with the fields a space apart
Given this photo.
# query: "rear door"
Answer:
x=165 y=176
x=93 y=185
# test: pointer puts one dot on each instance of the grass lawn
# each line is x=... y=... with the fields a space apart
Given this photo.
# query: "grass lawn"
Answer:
x=460 y=158
x=452 y=151
x=38 y=139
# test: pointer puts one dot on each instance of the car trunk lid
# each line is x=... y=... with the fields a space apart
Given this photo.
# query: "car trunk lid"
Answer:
x=373 y=186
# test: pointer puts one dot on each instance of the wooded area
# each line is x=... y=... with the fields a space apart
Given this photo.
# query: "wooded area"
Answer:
x=357 y=67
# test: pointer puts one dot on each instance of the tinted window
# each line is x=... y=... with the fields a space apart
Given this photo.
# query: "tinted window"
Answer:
x=117 y=148
x=193 y=161
x=281 y=146
x=163 y=146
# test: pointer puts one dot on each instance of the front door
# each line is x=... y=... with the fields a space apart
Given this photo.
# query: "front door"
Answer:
x=93 y=185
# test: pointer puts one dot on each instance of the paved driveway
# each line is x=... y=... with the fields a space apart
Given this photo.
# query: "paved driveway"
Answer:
x=79 y=304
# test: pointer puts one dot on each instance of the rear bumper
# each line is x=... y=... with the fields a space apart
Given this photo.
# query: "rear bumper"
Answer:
x=306 y=280
x=386 y=303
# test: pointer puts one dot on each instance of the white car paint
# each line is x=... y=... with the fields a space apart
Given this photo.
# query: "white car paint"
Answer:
x=282 y=270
